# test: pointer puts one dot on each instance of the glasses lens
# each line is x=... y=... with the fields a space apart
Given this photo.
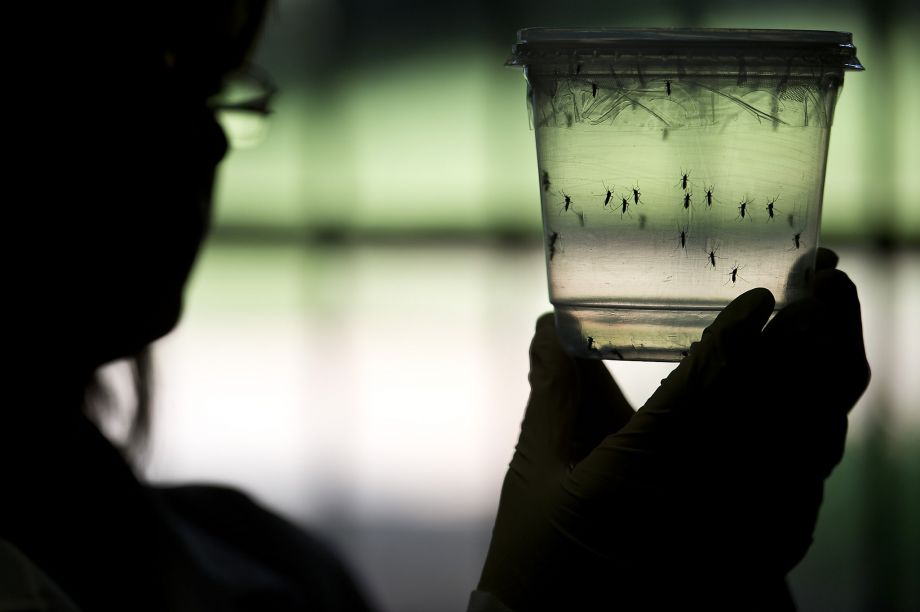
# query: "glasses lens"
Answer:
x=242 y=108
x=243 y=129
x=241 y=89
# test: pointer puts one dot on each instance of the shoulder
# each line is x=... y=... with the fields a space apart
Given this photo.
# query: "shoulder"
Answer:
x=23 y=586
x=241 y=530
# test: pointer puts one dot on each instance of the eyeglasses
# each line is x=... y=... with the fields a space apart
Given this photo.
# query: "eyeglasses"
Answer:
x=243 y=105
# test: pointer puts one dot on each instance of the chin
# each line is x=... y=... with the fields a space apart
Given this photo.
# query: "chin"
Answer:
x=164 y=320
x=120 y=337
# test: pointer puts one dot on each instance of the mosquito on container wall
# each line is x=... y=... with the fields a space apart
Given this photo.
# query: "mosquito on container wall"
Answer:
x=667 y=85
x=682 y=237
x=712 y=254
x=743 y=209
x=566 y=203
x=607 y=195
x=708 y=197
x=687 y=201
x=733 y=276
x=624 y=205
x=771 y=208
x=684 y=179
x=636 y=194
x=796 y=239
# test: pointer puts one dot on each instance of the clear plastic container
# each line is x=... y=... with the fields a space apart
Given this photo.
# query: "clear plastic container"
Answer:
x=678 y=168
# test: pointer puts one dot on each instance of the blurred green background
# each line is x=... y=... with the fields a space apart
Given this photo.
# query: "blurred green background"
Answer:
x=427 y=133
x=354 y=345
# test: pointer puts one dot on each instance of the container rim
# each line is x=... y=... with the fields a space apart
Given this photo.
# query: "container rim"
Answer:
x=546 y=44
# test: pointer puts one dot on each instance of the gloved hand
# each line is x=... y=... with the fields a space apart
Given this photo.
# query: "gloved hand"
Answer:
x=708 y=495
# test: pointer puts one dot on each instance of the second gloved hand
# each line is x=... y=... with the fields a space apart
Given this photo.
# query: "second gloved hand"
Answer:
x=709 y=493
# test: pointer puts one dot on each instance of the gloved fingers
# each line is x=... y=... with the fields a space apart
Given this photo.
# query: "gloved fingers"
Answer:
x=634 y=453
x=816 y=350
x=547 y=419
x=742 y=319
x=837 y=293
x=572 y=401
x=821 y=336
x=729 y=340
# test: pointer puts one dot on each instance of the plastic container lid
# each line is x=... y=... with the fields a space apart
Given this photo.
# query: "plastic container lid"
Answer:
x=558 y=45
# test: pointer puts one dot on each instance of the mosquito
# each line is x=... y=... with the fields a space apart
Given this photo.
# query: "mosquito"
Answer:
x=624 y=205
x=684 y=232
x=712 y=255
x=771 y=208
x=708 y=197
x=684 y=179
x=797 y=240
x=593 y=90
x=667 y=84
x=567 y=203
x=743 y=209
x=636 y=194
x=733 y=275
x=608 y=196
x=687 y=200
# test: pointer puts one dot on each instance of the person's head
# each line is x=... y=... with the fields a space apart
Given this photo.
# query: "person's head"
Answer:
x=143 y=145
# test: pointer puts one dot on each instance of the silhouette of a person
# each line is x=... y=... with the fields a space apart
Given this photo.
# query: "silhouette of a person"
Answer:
x=78 y=529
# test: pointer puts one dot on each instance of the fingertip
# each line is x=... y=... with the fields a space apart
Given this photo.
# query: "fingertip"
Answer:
x=545 y=336
x=748 y=312
x=545 y=321
x=838 y=294
x=835 y=286
x=760 y=307
x=755 y=305
x=547 y=357
x=826 y=259
x=762 y=300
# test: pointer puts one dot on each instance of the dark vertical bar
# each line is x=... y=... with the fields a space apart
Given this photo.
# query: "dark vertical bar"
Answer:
x=881 y=539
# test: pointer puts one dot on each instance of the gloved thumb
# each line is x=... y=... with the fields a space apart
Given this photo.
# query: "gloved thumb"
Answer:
x=574 y=403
